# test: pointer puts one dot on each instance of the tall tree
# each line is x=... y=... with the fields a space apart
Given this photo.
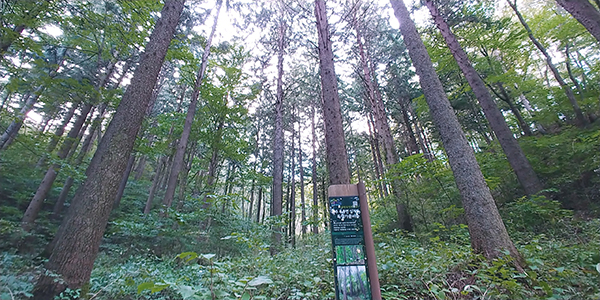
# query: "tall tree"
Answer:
x=315 y=189
x=383 y=128
x=337 y=156
x=78 y=238
x=189 y=119
x=580 y=120
x=516 y=158
x=487 y=231
x=301 y=167
x=278 y=138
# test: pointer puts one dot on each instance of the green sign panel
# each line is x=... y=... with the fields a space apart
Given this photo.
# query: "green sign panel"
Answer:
x=347 y=237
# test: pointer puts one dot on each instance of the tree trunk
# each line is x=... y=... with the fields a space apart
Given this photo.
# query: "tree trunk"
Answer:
x=155 y=183
x=378 y=181
x=570 y=72
x=8 y=39
x=315 y=190
x=516 y=158
x=413 y=147
x=505 y=96
x=189 y=119
x=586 y=13
x=259 y=204
x=337 y=156
x=302 y=199
x=60 y=130
x=35 y=205
x=580 y=120
x=487 y=231
x=124 y=180
x=13 y=129
x=383 y=128
x=292 y=199
x=78 y=238
x=85 y=148
x=378 y=159
x=278 y=141
x=140 y=168
x=184 y=178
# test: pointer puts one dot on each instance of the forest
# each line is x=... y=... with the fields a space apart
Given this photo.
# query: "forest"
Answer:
x=173 y=149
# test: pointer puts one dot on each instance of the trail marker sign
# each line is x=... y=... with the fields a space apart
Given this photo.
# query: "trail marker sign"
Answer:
x=354 y=263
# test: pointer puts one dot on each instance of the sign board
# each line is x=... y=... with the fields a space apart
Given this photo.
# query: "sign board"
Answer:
x=348 y=228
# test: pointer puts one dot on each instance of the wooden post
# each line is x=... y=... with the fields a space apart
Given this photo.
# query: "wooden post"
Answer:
x=343 y=233
x=369 y=244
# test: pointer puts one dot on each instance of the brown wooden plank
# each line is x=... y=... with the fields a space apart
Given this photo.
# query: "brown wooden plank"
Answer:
x=342 y=190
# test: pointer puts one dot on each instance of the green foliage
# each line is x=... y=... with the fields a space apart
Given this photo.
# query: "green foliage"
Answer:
x=558 y=268
x=536 y=215
x=16 y=276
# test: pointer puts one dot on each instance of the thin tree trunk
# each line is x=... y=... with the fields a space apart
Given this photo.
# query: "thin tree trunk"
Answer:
x=60 y=130
x=505 y=96
x=185 y=176
x=584 y=12
x=35 y=205
x=378 y=177
x=579 y=118
x=292 y=199
x=6 y=100
x=78 y=238
x=337 y=156
x=302 y=198
x=383 y=128
x=189 y=119
x=315 y=189
x=278 y=141
x=516 y=158
x=13 y=129
x=124 y=180
x=377 y=153
x=487 y=231
x=413 y=147
x=8 y=39
x=259 y=204
x=570 y=72
x=155 y=183
x=140 y=168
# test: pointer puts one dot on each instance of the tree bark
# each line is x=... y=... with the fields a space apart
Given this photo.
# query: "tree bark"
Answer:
x=78 y=238
x=516 y=158
x=580 y=120
x=337 y=156
x=292 y=199
x=278 y=141
x=189 y=119
x=584 y=12
x=487 y=231
x=315 y=189
x=301 y=168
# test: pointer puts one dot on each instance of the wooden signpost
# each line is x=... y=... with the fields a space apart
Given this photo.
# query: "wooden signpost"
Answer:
x=354 y=263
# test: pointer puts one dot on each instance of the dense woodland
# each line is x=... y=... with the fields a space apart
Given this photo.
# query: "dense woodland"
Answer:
x=183 y=149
